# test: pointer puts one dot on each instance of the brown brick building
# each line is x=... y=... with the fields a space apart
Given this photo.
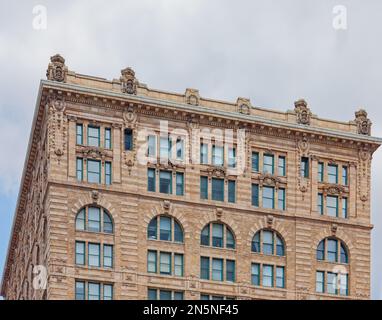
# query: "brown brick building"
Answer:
x=134 y=193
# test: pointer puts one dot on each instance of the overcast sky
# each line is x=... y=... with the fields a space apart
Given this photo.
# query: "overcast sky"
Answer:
x=272 y=52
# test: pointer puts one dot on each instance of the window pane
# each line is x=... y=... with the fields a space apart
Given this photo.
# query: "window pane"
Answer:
x=344 y=208
x=107 y=223
x=255 y=274
x=80 y=169
x=232 y=191
x=320 y=203
x=178 y=265
x=232 y=157
x=204 y=268
x=217 y=235
x=165 y=182
x=152 y=229
x=268 y=242
x=268 y=197
x=204 y=297
x=332 y=206
x=230 y=270
x=107 y=292
x=344 y=291
x=217 y=269
x=179 y=184
x=179 y=149
x=203 y=188
x=128 y=138
x=107 y=138
x=230 y=241
x=165 y=228
x=282 y=166
x=93 y=136
x=165 y=148
x=217 y=189
x=255 y=195
x=280 y=277
x=80 y=290
x=320 y=282
x=178 y=232
x=80 y=220
x=205 y=236
x=94 y=171
x=217 y=156
x=332 y=250
x=268 y=164
x=93 y=291
x=79 y=134
x=333 y=173
x=152 y=294
x=345 y=175
x=203 y=153
x=255 y=161
x=80 y=253
x=152 y=261
x=320 y=177
x=151 y=180
x=94 y=219
x=344 y=254
x=281 y=199
x=267 y=276
x=165 y=295
x=304 y=167
x=108 y=173
x=256 y=242
x=178 y=295
x=152 y=146
x=279 y=247
x=94 y=255
x=108 y=256
x=165 y=263
x=321 y=250
x=332 y=285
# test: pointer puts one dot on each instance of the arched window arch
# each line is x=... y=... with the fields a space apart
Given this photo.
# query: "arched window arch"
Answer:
x=218 y=235
x=268 y=242
x=165 y=228
x=332 y=250
x=94 y=219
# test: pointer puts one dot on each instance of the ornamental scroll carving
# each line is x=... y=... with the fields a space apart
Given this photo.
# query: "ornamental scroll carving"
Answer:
x=57 y=70
x=363 y=123
x=128 y=81
x=364 y=155
x=303 y=148
x=269 y=180
x=302 y=111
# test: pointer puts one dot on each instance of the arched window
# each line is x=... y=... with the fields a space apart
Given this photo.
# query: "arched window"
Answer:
x=94 y=219
x=268 y=242
x=332 y=250
x=217 y=235
x=165 y=228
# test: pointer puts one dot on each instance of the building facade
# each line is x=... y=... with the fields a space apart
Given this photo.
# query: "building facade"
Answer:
x=134 y=193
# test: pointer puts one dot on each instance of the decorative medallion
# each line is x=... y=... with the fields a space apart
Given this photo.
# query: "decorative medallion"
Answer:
x=57 y=70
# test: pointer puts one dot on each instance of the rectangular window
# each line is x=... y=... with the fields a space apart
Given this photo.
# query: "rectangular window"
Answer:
x=217 y=269
x=108 y=173
x=165 y=229
x=94 y=291
x=344 y=175
x=165 y=145
x=205 y=236
x=179 y=184
x=80 y=169
x=267 y=276
x=151 y=180
x=332 y=250
x=178 y=265
x=230 y=270
x=152 y=261
x=344 y=291
x=231 y=191
x=203 y=187
x=268 y=242
x=255 y=161
x=217 y=155
x=344 y=208
x=332 y=206
x=282 y=166
x=205 y=268
x=164 y=295
x=80 y=290
x=203 y=153
x=320 y=281
x=94 y=219
x=217 y=189
x=280 y=277
x=93 y=136
x=232 y=157
x=165 y=182
x=79 y=134
x=80 y=252
x=281 y=199
x=178 y=295
x=269 y=197
x=94 y=255
x=108 y=256
x=332 y=173
x=217 y=235
x=320 y=203
x=268 y=164
x=320 y=176
x=128 y=139
x=304 y=167
x=179 y=149
x=152 y=294
x=332 y=283
x=107 y=292
x=94 y=171
x=255 y=195
x=151 y=146
x=107 y=138
x=255 y=274
x=165 y=263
